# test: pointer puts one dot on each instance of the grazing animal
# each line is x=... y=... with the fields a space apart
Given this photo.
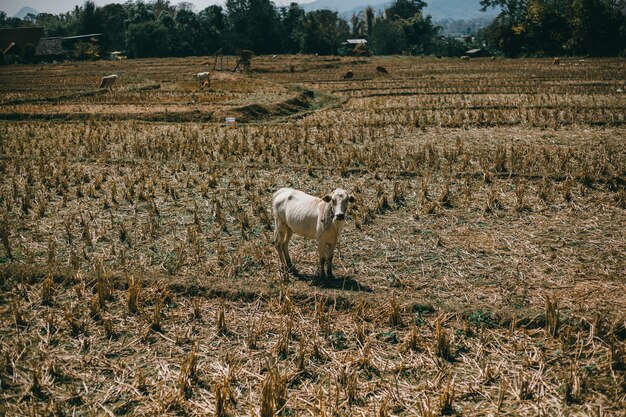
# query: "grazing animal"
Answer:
x=348 y=75
x=202 y=77
x=108 y=81
x=556 y=61
x=382 y=70
x=320 y=219
x=465 y=58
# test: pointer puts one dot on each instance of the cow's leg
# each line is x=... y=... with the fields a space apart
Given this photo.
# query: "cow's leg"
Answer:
x=321 y=251
x=288 y=234
x=280 y=230
x=330 y=250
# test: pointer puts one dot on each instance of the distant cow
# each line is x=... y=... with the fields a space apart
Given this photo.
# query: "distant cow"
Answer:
x=320 y=219
x=108 y=81
x=465 y=58
x=203 y=77
x=382 y=70
x=556 y=61
x=348 y=75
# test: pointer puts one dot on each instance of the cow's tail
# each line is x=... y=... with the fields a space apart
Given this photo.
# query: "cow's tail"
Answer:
x=275 y=235
x=275 y=230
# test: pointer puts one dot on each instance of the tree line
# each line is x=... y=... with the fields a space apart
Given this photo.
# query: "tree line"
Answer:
x=557 y=27
x=160 y=28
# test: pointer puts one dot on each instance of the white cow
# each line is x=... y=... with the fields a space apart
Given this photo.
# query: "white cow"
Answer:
x=108 y=81
x=320 y=219
x=203 y=77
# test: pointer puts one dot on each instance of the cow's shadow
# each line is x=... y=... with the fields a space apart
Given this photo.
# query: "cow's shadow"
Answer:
x=346 y=283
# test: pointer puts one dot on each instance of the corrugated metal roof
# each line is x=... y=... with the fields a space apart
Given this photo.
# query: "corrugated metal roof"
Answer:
x=91 y=35
x=356 y=41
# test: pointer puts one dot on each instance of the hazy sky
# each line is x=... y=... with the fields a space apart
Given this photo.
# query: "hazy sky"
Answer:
x=59 y=6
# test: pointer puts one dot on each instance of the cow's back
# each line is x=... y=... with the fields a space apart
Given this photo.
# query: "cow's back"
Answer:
x=298 y=210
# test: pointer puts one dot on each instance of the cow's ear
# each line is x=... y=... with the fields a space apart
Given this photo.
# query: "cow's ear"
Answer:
x=327 y=198
x=351 y=199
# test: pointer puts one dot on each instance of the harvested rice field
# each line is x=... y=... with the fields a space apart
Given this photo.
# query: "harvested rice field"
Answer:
x=481 y=270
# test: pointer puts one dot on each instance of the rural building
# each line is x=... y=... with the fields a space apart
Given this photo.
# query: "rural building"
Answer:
x=51 y=48
x=92 y=37
x=13 y=40
x=354 y=47
x=82 y=46
x=116 y=56
x=356 y=41
x=475 y=53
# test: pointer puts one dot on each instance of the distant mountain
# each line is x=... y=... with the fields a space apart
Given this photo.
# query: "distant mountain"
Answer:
x=24 y=11
x=458 y=9
x=438 y=9
x=379 y=8
x=338 y=5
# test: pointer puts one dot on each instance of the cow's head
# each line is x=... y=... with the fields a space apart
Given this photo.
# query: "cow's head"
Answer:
x=339 y=200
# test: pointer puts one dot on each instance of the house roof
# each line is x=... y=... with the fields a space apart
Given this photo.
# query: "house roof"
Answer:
x=356 y=41
x=19 y=36
x=473 y=51
x=91 y=35
x=50 y=46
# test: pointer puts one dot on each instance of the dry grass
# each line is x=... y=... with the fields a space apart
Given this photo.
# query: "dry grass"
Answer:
x=481 y=270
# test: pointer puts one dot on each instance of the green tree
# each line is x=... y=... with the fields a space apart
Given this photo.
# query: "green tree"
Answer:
x=291 y=18
x=147 y=39
x=255 y=25
x=322 y=31
x=14 y=22
x=404 y=29
x=500 y=36
x=159 y=7
x=420 y=34
x=370 y=19
x=597 y=27
x=386 y=38
x=54 y=25
x=212 y=25
x=139 y=12
x=512 y=8
x=89 y=19
x=357 y=26
x=213 y=16
x=187 y=37
x=581 y=27
x=404 y=9
x=113 y=18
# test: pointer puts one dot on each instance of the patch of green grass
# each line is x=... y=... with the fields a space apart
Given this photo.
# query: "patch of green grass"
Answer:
x=481 y=318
